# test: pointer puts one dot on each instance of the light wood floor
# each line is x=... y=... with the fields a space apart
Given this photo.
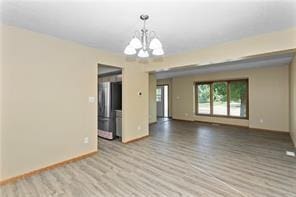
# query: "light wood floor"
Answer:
x=178 y=159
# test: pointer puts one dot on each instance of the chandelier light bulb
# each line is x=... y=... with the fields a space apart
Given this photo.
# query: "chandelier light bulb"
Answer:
x=136 y=43
x=158 y=52
x=129 y=50
x=143 y=53
x=155 y=44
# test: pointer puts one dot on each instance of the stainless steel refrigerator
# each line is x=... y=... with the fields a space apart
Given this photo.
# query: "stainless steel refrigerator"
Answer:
x=110 y=99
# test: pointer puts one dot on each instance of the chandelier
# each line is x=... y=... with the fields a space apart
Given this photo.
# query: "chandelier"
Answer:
x=144 y=42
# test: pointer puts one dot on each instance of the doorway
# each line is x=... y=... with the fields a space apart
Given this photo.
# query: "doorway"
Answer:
x=109 y=102
x=162 y=101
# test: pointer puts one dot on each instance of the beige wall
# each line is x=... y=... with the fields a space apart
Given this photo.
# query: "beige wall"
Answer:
x=152 y=98
x=1 y=126
x=268 y=97
x=167 y=82
x=135 y=107
x=293 y=100
x=45 y=89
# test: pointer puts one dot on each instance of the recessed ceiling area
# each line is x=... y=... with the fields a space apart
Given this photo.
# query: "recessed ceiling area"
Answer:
x=105 y=69
x=256 y=62
x=181 y=25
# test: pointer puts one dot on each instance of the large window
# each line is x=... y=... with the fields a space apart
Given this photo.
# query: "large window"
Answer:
x=222 y=98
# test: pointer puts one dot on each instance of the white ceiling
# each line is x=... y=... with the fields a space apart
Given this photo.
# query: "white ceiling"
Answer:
x=259 y=62
x=181 y=25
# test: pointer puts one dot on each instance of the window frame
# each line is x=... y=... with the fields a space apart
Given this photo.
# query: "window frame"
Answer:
x=228 y=82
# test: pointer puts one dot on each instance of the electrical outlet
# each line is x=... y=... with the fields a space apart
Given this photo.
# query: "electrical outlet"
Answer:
x=85 y=140
x=261 y=120
x=91 y=99
x=186 y=114
x=139 y=128
x=290 y=153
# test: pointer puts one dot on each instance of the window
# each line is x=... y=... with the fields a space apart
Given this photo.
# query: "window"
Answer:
x=204 y=98
x=238 y=98
x=158 y=95
x=222 y=98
